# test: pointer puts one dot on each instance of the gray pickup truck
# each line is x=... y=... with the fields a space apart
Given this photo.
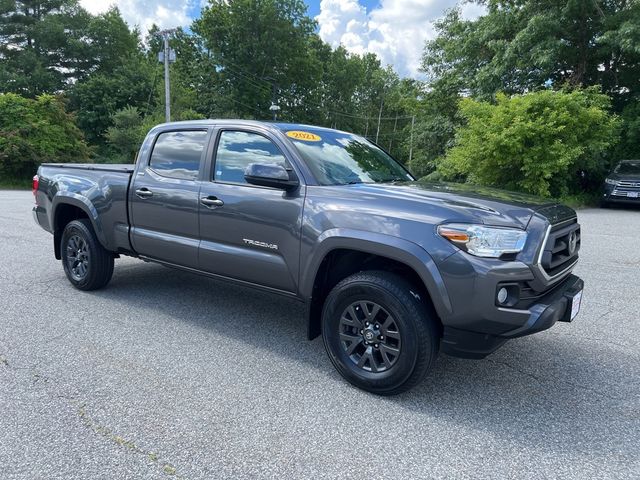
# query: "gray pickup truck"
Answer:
x=391 y=270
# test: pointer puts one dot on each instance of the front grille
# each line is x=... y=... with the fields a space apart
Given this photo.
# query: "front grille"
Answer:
x=624 y=188
x=561 y=248
x=625 y=184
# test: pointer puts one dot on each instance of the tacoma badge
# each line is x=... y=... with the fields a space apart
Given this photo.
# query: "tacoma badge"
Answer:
x=257 y=243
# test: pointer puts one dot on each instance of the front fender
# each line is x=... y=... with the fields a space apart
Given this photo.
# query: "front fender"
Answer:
x=383 y=245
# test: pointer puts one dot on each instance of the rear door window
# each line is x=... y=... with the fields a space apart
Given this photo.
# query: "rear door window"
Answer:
x=178 y=154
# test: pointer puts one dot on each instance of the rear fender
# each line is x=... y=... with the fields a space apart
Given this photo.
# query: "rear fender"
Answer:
x=81 y=202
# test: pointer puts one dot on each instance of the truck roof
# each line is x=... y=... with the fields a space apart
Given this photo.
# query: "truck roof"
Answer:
x=284 y=126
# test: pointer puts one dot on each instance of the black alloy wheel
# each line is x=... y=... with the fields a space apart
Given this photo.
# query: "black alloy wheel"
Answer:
x=370 y=336
x=87 y=264
x=78 y=257
x=379 y=333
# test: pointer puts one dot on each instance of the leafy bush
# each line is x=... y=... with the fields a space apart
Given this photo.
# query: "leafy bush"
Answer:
x=545 y=143
x=126 y=134
x=34 y=132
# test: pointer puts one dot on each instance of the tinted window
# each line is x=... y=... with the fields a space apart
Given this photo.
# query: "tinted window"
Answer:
x=177 y=154
x=236 y=150
x=340 y=158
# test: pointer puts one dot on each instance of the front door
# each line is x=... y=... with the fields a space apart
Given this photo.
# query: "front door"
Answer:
x=164 y=198
x=248 y=232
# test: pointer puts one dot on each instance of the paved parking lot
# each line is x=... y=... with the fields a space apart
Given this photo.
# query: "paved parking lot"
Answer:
x=164 y=374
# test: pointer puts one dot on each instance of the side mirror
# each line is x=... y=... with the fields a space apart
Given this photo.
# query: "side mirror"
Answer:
x=270 y=175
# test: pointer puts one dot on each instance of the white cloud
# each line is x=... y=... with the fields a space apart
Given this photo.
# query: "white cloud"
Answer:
x=144 y=13
x=396 y=30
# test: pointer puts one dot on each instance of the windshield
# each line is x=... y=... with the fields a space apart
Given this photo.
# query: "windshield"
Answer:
x=339 y=158
x=626 y=168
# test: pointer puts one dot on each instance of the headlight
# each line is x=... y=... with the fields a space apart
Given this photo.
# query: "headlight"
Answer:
x=611 y=182
x=483 y=241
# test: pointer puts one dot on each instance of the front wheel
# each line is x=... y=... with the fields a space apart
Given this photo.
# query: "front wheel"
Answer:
x=86 y=263
x=378 y=333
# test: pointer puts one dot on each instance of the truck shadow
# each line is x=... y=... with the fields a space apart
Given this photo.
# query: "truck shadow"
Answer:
x=537 y=392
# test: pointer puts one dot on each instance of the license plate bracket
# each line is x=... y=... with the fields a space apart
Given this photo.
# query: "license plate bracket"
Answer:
x=574 y=302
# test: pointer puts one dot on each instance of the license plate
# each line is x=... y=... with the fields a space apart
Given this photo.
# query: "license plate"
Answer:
x=575 y=304
x=632 y=194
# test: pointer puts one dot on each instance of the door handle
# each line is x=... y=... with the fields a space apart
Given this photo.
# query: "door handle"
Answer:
x=144 y=192
x=211 y=202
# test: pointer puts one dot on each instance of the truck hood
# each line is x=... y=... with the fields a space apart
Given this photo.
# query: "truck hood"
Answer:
x=471 y=203
x=627 y=177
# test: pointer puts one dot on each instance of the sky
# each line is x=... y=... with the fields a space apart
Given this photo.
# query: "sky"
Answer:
x=395 y=30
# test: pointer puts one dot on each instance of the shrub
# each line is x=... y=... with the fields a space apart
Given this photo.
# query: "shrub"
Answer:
x=34 y=132
x=544 y=143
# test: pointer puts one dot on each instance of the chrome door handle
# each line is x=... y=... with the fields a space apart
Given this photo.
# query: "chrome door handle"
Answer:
x=211 y=202
x=144 y=192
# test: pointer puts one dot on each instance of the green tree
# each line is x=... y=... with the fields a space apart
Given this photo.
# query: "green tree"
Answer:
x=536 y=143
x=98 y=97
x=261 y=50
x=629 y=146
x=126 y=134
x=109 y=40
x=524 y=45
x=40 y=44
x=195 y=82
x=33 y=131
x=436 y=122
x=116 y=74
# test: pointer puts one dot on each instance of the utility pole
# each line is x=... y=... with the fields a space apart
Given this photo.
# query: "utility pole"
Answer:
x=413 y=121
x=275 y=108
x=395 y=126
x=166 y=56
x=379 y=118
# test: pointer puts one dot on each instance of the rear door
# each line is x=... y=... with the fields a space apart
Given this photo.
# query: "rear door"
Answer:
x=248 y=232
x=164 y=198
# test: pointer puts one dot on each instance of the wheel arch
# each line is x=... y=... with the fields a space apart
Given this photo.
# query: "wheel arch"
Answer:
x=68 y=207
x=341 y=253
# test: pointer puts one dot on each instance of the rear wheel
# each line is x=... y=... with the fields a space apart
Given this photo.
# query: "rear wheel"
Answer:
x=86 y=263
x=378 y=333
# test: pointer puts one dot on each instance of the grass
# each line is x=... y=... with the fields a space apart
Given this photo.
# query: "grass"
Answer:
x=11 y=183
x=4 y=185
x=581 y=200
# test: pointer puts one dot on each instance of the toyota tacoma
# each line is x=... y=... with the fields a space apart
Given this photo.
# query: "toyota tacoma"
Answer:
x=391 y=270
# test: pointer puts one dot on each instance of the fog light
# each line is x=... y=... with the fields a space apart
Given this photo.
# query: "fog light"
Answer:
x=503 y=295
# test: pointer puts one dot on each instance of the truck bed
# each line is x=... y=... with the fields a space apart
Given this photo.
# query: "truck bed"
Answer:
x=104 y=167
x=98 y=190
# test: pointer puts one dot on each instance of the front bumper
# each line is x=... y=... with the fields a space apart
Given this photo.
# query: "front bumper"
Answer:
x=479 y=326
x=615 y=194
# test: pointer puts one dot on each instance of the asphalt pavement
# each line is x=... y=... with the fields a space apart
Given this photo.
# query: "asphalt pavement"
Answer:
x=165 y=374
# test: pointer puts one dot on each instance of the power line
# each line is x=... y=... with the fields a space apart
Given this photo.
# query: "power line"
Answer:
x=403 y=117
x=253 y=79
x=153 y=86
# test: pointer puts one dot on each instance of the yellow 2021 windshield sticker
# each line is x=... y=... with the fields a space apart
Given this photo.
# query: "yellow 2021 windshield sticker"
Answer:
x=304 y=136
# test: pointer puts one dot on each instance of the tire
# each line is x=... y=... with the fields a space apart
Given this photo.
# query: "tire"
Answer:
x=86 y=263
x=395 y=362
